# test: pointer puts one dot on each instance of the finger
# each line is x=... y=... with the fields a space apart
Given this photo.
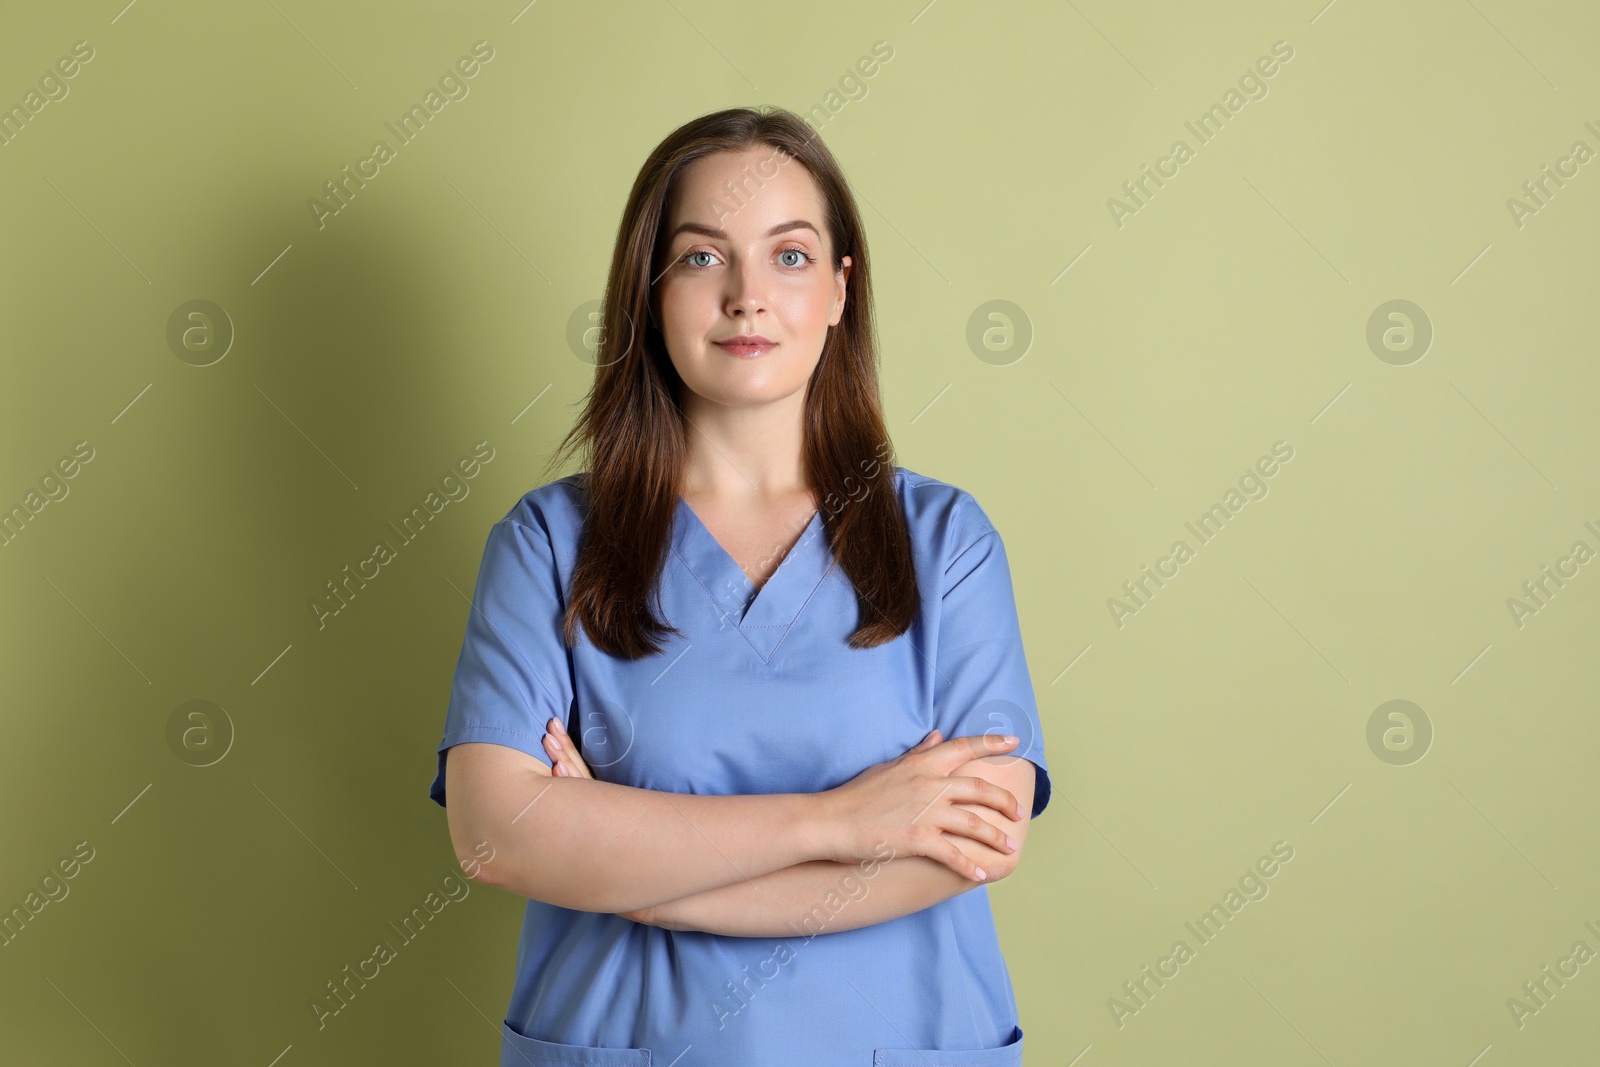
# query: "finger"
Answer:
x=959 y=862
x=941 y=848
x=964 y=822
x=926 y=743
x=556 y=731
x=996 y=865
x=975 y=790
x=576 y=767
x=558 y=756
x=958 y=750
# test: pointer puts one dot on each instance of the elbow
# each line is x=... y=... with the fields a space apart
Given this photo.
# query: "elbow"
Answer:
x=564 y=896
x=492 y=859
x=476 y=852
x=492 y=863
x=477 y=861
x=502 y=868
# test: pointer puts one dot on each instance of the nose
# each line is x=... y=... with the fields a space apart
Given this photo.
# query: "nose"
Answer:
x=746 y=288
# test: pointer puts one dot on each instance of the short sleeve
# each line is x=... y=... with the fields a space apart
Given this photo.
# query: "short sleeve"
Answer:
x=981 y=680
x=514 y=672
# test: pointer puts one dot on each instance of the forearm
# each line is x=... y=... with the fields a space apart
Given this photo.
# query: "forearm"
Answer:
x=846 y=896
x=598 y=846
x=821 y=896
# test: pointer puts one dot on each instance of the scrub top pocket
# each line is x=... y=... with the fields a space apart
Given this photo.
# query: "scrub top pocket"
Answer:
x=1007 y=1055
x=519 y=1050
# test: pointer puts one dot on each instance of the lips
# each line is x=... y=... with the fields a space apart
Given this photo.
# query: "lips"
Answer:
x=746 y=346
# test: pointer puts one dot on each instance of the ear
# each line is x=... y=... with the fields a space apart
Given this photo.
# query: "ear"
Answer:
x=841 y=276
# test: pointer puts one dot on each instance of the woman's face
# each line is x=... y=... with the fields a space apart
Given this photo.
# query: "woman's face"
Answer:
x=755 y=263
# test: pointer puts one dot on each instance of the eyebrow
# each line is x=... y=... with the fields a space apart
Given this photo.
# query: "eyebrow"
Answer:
x=712 y=231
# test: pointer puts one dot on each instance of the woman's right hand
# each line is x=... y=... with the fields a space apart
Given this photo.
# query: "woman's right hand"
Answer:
x=911 y=801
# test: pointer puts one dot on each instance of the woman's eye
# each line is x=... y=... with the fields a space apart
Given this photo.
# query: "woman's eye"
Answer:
x=803 y=260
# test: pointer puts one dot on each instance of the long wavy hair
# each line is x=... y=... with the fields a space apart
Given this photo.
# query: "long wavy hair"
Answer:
x=634 y=435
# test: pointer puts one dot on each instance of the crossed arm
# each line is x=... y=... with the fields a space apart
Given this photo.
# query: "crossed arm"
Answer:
x=824 y=896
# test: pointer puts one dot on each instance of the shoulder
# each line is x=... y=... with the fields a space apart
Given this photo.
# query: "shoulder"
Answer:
x=552 y=508
x=546 y=522
x=941 y=516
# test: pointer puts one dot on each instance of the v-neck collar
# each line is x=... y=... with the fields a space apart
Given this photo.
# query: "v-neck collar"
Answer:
x=763 y=616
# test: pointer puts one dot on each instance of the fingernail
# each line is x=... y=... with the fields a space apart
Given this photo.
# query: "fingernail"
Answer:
x=560 y=725
x=555 y=742
x=1010 y=739
x=982 y=877
x=1011 y=843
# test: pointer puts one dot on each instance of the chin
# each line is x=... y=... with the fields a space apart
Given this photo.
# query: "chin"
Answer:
x=751 y=393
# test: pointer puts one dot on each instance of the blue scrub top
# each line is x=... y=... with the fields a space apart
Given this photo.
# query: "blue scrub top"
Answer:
x=762 y=695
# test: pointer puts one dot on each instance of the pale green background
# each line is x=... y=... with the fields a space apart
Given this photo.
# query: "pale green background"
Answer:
x=1227 y=314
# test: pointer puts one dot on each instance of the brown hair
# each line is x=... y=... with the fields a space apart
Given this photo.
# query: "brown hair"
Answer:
x=634 y=435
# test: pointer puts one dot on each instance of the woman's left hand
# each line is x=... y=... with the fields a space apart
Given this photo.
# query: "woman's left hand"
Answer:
x=564 y=759
x=566 y=763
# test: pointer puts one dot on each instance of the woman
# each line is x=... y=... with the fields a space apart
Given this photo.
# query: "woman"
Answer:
x=699 y=713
